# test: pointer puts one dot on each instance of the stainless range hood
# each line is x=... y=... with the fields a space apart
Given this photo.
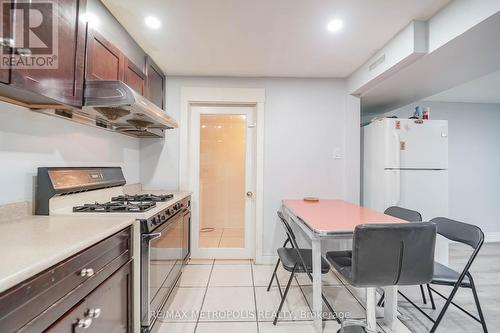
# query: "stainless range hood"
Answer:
x=116 y=107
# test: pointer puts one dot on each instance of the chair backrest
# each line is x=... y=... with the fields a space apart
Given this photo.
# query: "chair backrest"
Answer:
x=404 y=214
x=393 y=254
x=459 y=232
x=289 y=232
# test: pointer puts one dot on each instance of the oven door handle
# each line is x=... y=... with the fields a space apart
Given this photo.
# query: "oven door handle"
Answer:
x=151 y=236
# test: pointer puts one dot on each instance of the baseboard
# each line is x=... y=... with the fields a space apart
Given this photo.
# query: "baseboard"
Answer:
x=266 y=259
x=492 y=237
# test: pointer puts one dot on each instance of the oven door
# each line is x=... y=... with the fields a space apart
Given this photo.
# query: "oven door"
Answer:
x=161 y=260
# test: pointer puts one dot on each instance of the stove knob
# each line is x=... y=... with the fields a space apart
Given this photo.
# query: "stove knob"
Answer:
x=163 y=217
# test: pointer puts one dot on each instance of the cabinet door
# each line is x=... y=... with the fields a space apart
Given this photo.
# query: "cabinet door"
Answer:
x=155 y=84
x=111 y=304
x=63 y=81
x=69 y=322
x=134 y=77
x=106 y=309
x=104 y=60
x=5 y=50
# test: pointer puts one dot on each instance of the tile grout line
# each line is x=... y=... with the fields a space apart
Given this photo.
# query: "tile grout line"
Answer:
x=204 y=296
x=255 y=299
x=220 y=240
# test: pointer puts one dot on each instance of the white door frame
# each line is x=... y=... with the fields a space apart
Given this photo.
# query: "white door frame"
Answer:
x=223 y=96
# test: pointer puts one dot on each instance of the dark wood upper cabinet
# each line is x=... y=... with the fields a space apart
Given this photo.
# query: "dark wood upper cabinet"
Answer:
x=134 y=77
x=63 y=81
x=155 y=84
x=4 y=75
x=5 y=49
x=104 y=60
x=81 y=53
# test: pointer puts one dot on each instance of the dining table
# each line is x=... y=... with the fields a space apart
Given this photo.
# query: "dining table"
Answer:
x=324 y=219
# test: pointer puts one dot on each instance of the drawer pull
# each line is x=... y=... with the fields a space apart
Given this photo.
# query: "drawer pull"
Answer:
x=87 y=272
x=94 y=313
x=84 y=323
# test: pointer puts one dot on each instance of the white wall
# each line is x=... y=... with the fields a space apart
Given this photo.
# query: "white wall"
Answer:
x=29 y=140
x=474 y=159
x=305 y=120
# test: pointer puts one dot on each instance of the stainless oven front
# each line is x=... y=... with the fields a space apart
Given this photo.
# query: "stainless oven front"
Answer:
x=162 y=257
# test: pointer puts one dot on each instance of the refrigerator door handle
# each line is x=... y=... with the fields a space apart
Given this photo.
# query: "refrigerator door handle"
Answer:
x=397 y=173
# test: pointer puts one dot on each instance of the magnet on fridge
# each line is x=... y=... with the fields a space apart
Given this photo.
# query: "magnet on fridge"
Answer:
x=398 y=124
x=402 y=145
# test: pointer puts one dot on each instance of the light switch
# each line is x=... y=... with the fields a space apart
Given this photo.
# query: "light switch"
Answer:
x=337 y=153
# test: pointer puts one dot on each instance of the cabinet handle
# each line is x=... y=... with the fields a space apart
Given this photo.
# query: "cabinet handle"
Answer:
x=87 y=272
x=94 y=313
x=84 y=323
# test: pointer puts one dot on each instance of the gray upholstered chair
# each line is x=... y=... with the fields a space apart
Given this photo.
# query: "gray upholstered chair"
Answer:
x=386 y=255
x=404 y=214
x=295 y=260
x=410 y=216
x=467 y=234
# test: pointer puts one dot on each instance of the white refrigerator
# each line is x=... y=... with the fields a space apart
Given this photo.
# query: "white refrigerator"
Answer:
x=405 y=163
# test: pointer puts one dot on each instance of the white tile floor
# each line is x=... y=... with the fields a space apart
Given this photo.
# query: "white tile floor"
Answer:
x=223 y=238
x=219 y=296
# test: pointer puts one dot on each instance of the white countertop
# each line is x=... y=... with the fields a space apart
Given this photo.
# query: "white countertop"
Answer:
x=33 y=244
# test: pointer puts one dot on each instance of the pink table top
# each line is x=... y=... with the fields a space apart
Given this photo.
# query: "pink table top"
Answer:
x=330 y=216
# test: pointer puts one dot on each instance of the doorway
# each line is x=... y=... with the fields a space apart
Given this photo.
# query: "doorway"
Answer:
x=223 y=144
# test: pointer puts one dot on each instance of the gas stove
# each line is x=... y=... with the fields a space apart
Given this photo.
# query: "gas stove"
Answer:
x=120 y=206
x=164 y=221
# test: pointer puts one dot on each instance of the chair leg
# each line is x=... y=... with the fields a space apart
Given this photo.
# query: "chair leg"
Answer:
x=476 y=299
x=284 y=295
x=371 y=317
x=423 y=294
x=431 y=297
x=381 y=300
x=274 y=273
x=446 y=305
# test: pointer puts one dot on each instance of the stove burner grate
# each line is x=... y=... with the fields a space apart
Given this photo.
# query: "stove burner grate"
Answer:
x=143 y=198
x=115 y=207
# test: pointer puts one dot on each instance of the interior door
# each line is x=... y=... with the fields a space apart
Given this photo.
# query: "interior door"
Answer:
x=223 y=182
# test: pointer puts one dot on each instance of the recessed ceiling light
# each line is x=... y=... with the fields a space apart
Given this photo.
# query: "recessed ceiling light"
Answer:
x=152 y=22
x=335 y=25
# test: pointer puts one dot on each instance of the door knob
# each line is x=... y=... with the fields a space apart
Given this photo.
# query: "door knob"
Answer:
x=249 y=194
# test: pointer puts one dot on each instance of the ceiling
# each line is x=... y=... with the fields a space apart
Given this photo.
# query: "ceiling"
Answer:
x=468 y=57
x=485 y=89
x=266 y=38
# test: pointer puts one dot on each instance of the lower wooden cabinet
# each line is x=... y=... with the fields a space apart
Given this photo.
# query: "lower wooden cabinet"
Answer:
x=106 y=309
x=88 y=292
